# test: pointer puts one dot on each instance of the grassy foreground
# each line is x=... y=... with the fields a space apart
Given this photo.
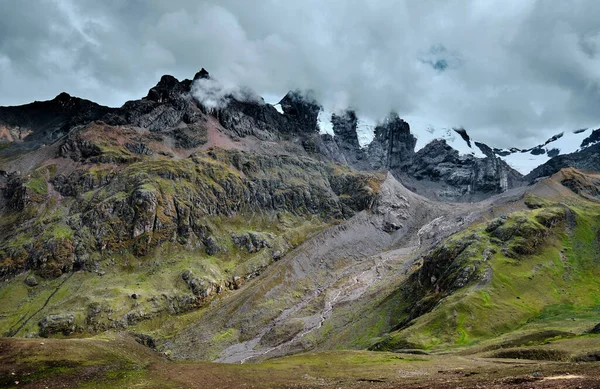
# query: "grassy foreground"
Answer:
x=117 y=360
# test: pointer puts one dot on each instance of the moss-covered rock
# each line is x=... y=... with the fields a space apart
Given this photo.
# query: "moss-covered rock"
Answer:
x=63 y=323
x=137 y=206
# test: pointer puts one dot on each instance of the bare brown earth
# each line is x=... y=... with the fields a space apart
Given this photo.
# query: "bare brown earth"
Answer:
x=116 y=360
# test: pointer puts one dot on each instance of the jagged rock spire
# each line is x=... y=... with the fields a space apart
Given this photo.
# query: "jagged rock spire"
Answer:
x=201 y=74
x=303 y=107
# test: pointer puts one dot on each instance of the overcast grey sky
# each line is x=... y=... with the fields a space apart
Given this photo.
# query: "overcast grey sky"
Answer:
x=509 y=71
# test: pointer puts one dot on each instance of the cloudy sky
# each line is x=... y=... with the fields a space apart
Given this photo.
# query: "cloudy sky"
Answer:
x=509 y=71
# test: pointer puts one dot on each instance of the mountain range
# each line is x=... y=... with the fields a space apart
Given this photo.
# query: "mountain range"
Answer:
x=216 y=227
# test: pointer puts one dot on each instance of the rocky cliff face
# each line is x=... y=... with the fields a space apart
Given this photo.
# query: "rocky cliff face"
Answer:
x=167 y=111
x=436 y=171
x=349 y=151
x=135 y=203
x=301 y=111
x=461 y=176
x=393 y=147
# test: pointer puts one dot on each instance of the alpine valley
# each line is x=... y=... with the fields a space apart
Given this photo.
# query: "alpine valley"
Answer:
x=186 y=241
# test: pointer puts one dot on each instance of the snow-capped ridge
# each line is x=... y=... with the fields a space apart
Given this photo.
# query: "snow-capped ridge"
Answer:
x=457 y=138
x=522 y=160
x=525 y=160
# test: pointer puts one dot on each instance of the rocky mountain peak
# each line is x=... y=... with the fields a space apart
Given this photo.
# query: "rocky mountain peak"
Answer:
x=592 y=139
x=344 y=126
x=485 y=149
x=438 y=146
x=43 y=122
x=201 y=74
x=62 y=97
x=560 y=145
x=344 y=146
x=169 y=110
x=394 y=136
x=303 y=107
x=168 y=88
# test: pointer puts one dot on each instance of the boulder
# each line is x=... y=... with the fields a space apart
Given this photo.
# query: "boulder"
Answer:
x=31 y=280
x=251 y=241
x=211 y=246
x=200 y=287
x=145 y=340
x=60 y=323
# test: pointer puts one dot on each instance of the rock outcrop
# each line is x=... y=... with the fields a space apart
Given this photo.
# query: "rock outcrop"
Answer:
x=302 y=110
x=253 y=117
x=393 y=147
x=461 y=176
x=348 y=150
x=57 y=324
x=168 y=110
x=146 y=203
x=437 y=171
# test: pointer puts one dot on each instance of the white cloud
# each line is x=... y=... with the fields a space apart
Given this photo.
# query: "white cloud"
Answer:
x=507 y=71
x=214 y=95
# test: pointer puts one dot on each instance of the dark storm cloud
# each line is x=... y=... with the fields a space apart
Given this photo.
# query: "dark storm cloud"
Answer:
x=508 y=70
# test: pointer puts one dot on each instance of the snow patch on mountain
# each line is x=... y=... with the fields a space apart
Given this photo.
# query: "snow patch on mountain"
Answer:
x=524 y=161
x=365 y=129
x=324 y=122
x=425 y=132
x=278 y=108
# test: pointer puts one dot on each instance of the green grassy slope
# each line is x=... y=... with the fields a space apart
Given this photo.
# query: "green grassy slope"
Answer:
x=116 y=360
x=116 y=224
x=101 y=300
x=531 y=271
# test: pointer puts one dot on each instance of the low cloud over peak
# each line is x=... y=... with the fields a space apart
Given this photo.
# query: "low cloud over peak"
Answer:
x=507 y=71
